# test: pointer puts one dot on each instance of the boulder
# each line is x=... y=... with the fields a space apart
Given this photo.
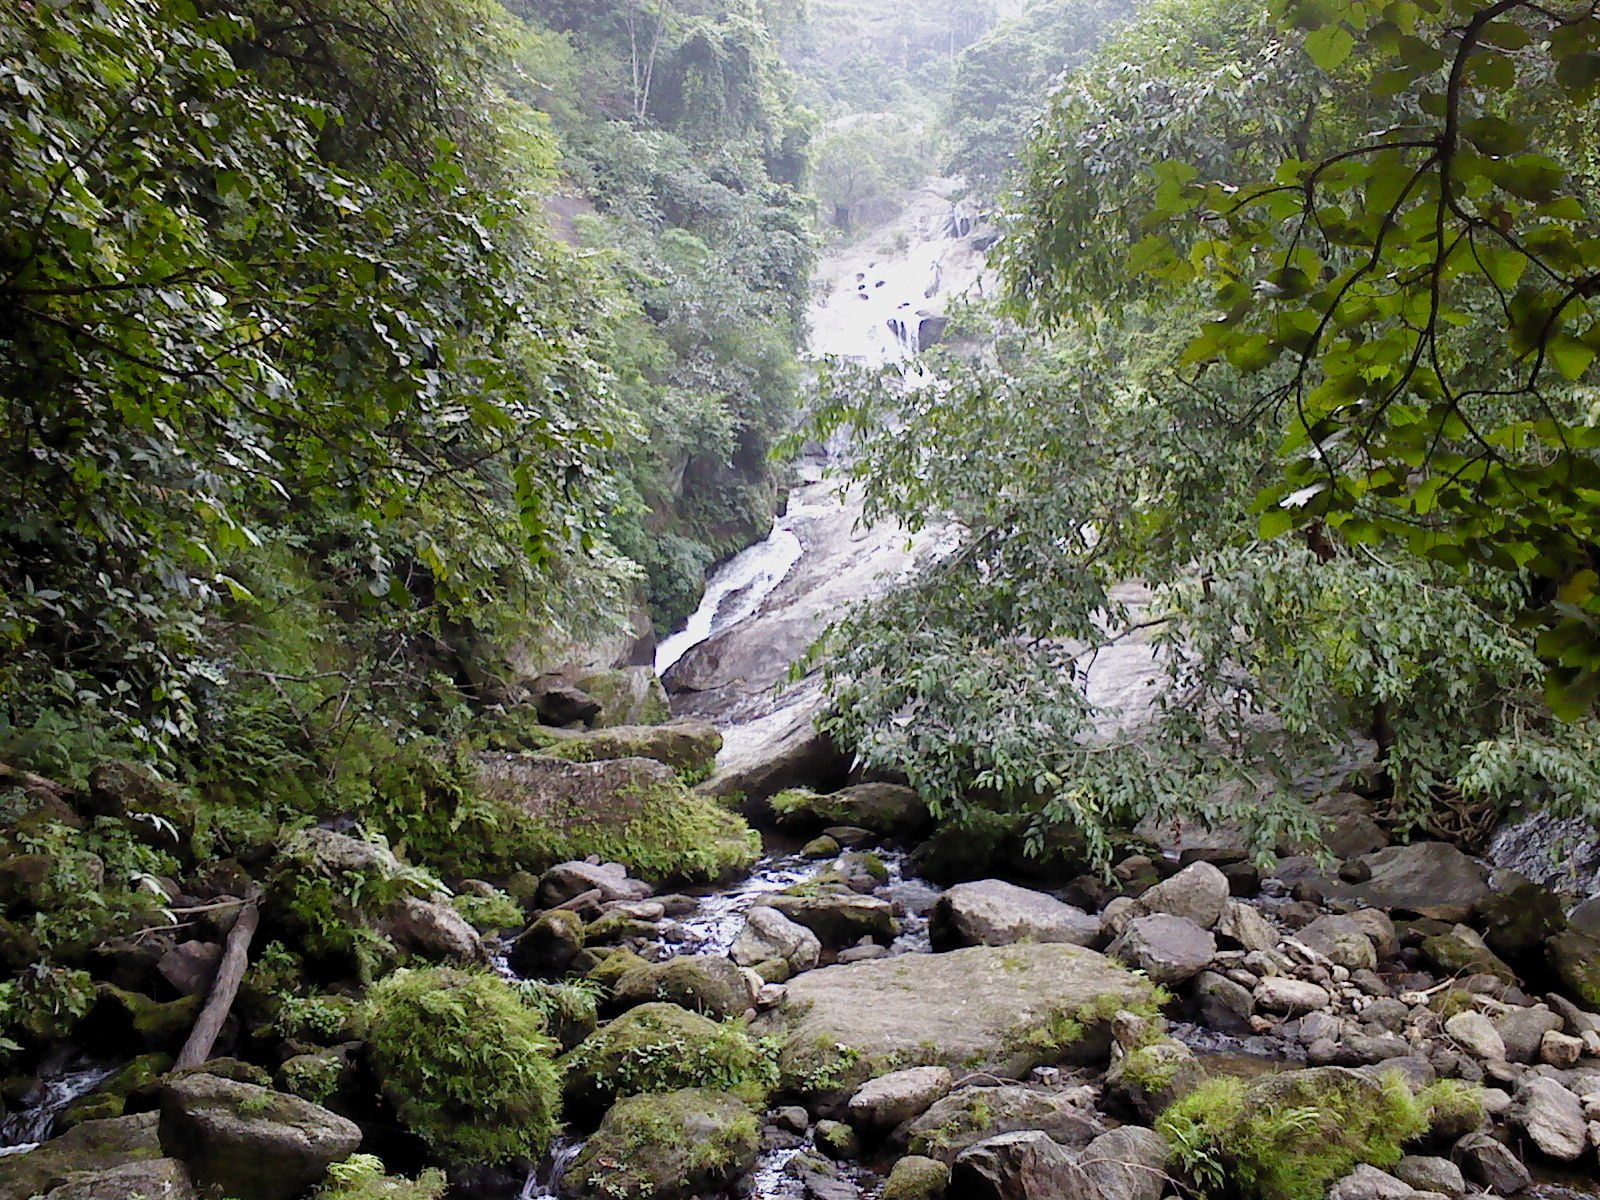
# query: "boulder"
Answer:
x=1476 y=1034
x=1427 y=1174
x=1290 y=997
x=1244 y=926
x=157 y=1179
x=1486 y=1161
x=793 y=754
x=1517 y=920
x=670 y=1146
x=972 y=1114
x=1020 y=1166
x=1221 y=1004
x=1169 y=949
x=1002 y=1010
x=1348 y=827
x=916 y=1178
x=189 y=967
x=1427 y=879
x=1560 y=1050
x=1575 y=958
x=1368 y=1183
x=898 y=1097
x=627 y=696
x=887 y=809
x=837 y=918
x=704 y=983
x=1197 y=893
x=1461 y=951
x=1127 y=1164
x=991 y=912
x=433 y=931
x=1341 y=940
x=89 y=1147
x=1523 y=1029
x=564 y=704
x=769 y=935
x=1552 y=1119
x=248 y=1141
x=549 y=946
x=688 y=746
x=567 y=881
x=635 y=810
x=1148 y=1078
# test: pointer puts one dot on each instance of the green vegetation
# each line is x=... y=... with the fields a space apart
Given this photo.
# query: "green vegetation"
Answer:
x=361 y=1177
x=465 y=1063
x=1153 y=382
x=1288 y=1137
x=681 y=1144
x=662 y=1048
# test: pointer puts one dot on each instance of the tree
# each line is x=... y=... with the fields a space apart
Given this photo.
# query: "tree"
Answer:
x=1432 y=277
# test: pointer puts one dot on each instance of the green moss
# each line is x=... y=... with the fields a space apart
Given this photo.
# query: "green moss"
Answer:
x=313 y=1077
x=683 y=1143
x=1151 y=1070
x=466 y=1064
x=361 y=1177
x=664 y=1048
x=489 y=914
x=1085 y=1030
x=973 y=1118
x=570 y=1009
x=1448 y=1003
x=1287 y=1137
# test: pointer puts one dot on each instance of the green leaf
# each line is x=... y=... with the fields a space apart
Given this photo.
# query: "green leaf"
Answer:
x=1330 y=46
x=1570 y=356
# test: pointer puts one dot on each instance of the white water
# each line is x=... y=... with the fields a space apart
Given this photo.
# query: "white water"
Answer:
x=56 y=1088
x=735 y=591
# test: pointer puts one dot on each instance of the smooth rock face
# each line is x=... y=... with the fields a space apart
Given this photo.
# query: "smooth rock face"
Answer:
x=991 y=912
x=1476 y=1034
x=1197 y=893
x=1280 y=994
x=898 y=1097
x=1169 y=949
x=1552 y=1118
x=1020 y=1166
x=974 y=1114
x=768 y=935
x=249 y=1141
x=977 y=1009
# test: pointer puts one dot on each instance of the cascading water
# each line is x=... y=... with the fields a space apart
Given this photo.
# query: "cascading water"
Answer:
x=58 y=1085
x=734 y=591
x=544 y=1181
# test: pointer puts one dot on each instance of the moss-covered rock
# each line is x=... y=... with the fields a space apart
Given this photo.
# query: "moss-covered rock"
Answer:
x=1289 y=1136
x=465 y=1062
x=1148 y=1079
x=110 y=1099
x=916 y=1178
x=627 y=696
x=630 y=810
x=887 y=809
x=122 y=1019
x=971 y=1114
x=90 y=1146
x=1000 y=1009
x=689 y=747
x=250 y=1142
x=705 y=983
x=1575 y=958
x=662 y=1048
x=1460 y=951
x=666 y=1147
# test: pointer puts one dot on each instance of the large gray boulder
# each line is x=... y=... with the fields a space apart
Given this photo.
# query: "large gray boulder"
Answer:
x=992 y=912
x=669 y=1146
x=1129 y=1163
x=569 y=880
x=1552 y=1118
x=898 y=1097
x=1020 y=1166
x=688 y=746
x=1002 y=1010
x=155 y=1179
x=769 y=936
x=250 y=1142
x=1484 y=1160
x=1429 y=879
x=433 y=931
x=1197 y=893
x=88 y=1147
x=1169 y=949
x=889 y=809
x=837 y=918
x=972 y=1114
x=1341 y=940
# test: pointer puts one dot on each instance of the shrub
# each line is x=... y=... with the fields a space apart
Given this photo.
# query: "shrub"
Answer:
x=465 y=1063
x=361 y=1177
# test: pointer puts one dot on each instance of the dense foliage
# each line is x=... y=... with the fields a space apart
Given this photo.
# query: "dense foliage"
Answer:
x=1104 y=497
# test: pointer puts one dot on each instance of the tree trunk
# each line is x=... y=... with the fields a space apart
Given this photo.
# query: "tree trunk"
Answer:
x=230 y=971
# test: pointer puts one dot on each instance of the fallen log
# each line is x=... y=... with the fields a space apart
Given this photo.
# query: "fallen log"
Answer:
x=230 y=972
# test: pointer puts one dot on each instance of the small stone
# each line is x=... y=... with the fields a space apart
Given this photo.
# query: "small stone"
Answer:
x=1523 y=1030
x=1244 y=925
x=1369 y=1183
x=1486 y=1161
x=1431 y=1175
x=791 y=1117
